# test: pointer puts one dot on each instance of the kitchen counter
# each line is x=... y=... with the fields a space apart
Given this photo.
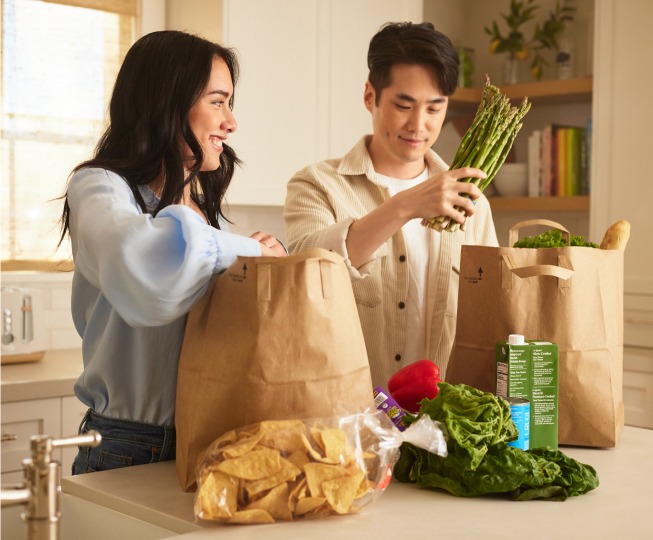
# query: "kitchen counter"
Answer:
x=53 y=376
x=619 y=508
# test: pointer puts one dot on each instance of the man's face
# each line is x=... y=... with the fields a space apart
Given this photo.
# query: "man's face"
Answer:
x=406 y=121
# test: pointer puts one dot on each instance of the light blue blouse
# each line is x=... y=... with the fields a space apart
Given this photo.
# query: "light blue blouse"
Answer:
x=136 y=277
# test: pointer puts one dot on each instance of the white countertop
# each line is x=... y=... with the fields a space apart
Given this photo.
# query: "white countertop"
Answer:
x=53 y=376
x=621 y=507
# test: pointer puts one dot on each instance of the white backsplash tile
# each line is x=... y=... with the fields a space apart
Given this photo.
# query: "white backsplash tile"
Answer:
x=60 y=332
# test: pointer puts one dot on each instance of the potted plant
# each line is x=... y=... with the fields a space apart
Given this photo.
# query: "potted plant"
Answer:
x=520 y=48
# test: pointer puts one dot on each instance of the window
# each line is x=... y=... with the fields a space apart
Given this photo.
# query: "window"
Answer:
x=60 y=59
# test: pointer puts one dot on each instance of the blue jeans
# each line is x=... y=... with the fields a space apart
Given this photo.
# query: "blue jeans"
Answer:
x=124 y=443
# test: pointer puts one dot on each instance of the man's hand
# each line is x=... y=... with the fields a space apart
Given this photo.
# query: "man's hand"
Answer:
x=437 y=196
x=440 y=195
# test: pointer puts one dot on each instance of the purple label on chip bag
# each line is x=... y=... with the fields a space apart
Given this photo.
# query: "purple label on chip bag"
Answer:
x=384 y=402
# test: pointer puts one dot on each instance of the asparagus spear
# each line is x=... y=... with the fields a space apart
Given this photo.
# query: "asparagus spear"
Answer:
x=486 y=143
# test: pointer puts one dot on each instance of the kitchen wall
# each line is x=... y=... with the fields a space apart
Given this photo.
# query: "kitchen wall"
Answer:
x=60 y=332
x=248 y=219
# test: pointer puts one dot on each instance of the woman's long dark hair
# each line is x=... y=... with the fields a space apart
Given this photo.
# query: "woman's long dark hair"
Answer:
x=162 y=76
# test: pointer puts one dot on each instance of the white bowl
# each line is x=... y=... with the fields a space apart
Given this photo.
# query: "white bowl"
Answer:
x=511 y=180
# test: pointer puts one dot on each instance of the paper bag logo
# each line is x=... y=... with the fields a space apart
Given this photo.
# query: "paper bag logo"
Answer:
x=241 y=276
x=475 y=278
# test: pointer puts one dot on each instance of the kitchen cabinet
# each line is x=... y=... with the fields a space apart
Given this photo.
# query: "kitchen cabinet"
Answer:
x=21 y=420
x=57 y=417
x=638 y=360
x=621 y=183
x=299 y=99
x=37 y=398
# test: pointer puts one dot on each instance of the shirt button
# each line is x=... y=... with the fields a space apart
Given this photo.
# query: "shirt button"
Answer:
x=398 y=357
x=401 y=305
x=402 y=258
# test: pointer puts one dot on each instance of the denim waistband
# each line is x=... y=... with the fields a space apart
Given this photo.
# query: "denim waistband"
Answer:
x=129 y=430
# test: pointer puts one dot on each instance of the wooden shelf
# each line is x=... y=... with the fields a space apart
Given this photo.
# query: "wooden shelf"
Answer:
x=554 y=92
x=540 y=204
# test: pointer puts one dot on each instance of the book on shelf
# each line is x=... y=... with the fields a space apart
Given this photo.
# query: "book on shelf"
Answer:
x=560 y=137
x=535 y=164
x=558 y=161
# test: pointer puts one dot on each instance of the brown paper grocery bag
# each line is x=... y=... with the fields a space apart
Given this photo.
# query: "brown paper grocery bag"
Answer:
x=273 y=338
x=572 y=296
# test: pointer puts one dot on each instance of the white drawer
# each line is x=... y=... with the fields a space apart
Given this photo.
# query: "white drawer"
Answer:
x=21 y=420
x=638 y=386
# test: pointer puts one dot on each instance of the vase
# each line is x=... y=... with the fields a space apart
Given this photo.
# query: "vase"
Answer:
x=566 y=55
x=509 y=70
x=466 y=69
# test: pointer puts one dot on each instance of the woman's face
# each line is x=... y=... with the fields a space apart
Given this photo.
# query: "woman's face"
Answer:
x=211 y=119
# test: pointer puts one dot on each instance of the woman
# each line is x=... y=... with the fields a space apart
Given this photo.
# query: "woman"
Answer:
x=148 y=232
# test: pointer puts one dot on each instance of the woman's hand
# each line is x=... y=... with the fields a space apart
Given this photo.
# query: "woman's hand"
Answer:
x=270 y=246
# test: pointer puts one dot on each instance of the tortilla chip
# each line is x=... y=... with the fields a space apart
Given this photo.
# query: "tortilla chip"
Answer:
x=340 y=492
x=298 y=489
x=253 y=465
x=318 y=473
x=315 y=455
x=286 y=473
x=308 y=504
x=284 y=435
x=334 y=443
x=285 y=441
x=240 y=447
x=253 y=516
x=217 y=496
x=367 y=486
x=299 y=459
x=274 y=503
x=270 y=426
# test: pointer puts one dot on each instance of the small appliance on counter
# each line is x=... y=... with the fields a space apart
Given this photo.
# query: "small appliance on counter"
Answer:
x=22 y=325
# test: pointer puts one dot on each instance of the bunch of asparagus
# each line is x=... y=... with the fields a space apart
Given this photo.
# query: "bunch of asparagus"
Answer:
x=486 y=143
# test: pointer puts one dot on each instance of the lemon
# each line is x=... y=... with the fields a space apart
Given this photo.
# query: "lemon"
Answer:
x=536 y=71
x=493 y=45
x=523 y=53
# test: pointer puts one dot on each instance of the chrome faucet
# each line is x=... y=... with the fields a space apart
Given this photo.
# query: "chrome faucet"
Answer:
x=40 y=488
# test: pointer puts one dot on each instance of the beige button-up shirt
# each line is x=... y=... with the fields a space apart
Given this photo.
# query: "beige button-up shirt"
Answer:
x=322 y=202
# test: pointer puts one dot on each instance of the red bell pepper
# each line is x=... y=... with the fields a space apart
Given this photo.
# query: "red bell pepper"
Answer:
x=413 y=383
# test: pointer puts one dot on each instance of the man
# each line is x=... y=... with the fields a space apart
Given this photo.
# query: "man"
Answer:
x=369 y=205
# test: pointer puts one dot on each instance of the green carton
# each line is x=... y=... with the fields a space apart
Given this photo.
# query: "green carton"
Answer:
x=529 y=370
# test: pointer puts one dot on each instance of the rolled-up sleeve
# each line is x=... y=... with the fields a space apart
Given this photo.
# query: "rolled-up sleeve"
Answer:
x=311 y=221
x=151 y=269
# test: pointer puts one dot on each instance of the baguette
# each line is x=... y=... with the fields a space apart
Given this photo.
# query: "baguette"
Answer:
x=617 y=235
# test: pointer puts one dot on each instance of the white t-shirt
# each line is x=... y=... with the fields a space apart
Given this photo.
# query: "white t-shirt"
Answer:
x=418 y=240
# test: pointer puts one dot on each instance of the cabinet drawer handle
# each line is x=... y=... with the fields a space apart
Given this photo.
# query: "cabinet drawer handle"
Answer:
x=8 y=437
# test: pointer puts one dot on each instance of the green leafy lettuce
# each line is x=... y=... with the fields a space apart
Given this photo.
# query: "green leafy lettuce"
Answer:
x=479 y=461
x=552 y=238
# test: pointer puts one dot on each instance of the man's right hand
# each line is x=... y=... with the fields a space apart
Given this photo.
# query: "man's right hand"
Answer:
x=441 y=194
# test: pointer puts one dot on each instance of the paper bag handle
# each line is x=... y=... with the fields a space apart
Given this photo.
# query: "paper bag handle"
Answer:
x=563 y=271
x=513 y=234
x=264 y=279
